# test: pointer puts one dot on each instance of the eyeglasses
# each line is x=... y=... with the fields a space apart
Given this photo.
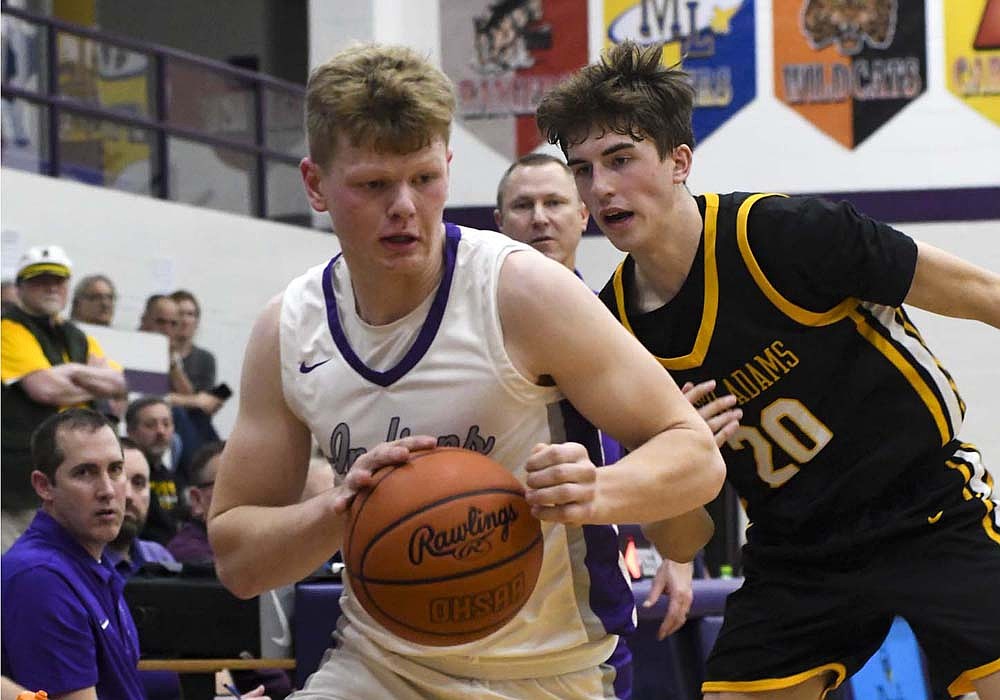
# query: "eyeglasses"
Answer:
x=99 y=297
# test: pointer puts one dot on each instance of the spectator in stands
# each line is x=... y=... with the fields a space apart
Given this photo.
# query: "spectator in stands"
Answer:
x=8 y=294
x=66 y=627
x=47 y=364
x=128 y=553
x=94 y=300
x=199 y=367
x=191 y=546
x=150 y=424
x=162 y=315
x=199 y=363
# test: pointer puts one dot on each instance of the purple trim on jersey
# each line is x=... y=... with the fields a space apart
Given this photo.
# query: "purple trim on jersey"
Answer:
x=621 y=660
x=612 y=449
x=611 y=596
x=579 y=429
x=427 y=332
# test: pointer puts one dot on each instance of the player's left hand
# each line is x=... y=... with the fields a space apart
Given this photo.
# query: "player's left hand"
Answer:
x=674 y=579
x=562 y=483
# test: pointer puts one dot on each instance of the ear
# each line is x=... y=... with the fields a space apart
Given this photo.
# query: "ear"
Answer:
x=42 y=485
x=498 y=218
x=311 y=177
x=584 y=215
x=682 y=157
x=195 y=499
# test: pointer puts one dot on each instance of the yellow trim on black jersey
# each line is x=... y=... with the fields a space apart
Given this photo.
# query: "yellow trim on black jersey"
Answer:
x=777 y=683
x=913 y=332
x=710 y=308
x=907 y=369
x=963 y=684
x=965 y=469
x=793 y=311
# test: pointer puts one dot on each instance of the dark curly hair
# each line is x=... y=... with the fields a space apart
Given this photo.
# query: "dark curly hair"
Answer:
x=629 y=91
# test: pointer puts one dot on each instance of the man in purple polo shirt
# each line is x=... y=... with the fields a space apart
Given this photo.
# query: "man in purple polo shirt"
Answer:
x=66 y=627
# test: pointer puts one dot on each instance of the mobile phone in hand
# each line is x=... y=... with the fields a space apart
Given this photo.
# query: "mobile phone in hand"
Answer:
x=221 y=391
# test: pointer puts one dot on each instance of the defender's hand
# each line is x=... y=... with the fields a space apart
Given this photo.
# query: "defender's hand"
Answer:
x=720 y=415
x=674 y=579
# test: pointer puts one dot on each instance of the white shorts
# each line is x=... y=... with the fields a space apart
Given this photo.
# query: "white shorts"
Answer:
x=358 y=669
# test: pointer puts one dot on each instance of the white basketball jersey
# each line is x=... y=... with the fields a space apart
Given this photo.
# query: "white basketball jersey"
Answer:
x=443 y=370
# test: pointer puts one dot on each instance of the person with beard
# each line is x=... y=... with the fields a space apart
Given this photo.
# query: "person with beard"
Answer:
x=150 y=424
x=66 y=627
x=128 y=553
x=48 y=364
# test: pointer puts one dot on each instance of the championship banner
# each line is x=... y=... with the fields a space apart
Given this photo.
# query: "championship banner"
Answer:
x=849 y=66
x=503 y=56
x=972 y=54
x=713 y=40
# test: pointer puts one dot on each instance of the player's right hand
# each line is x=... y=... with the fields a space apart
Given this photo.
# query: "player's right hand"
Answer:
x=361 y=475
x=720 y=415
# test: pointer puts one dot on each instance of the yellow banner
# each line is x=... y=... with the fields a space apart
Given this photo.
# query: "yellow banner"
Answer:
x=972 y=54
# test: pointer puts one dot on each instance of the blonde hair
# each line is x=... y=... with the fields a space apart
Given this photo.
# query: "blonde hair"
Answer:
x=387 y=97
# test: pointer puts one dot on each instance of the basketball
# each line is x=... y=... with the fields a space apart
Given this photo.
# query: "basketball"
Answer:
x=443 y=550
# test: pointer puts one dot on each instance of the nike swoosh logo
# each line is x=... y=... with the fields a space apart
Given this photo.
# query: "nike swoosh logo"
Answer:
x=285 y=640
x=934 y=518
x=306 y=369
x=104 y=625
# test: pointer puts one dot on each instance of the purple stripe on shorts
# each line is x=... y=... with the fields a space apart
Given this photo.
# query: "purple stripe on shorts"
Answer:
x=611 y=596
x=621 y=660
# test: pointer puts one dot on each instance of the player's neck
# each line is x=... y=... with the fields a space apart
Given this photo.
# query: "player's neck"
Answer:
x=383 y=296
x=663 y=265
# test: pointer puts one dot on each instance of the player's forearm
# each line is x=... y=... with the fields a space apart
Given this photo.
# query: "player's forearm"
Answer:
x=258 y=548
x=950 y=286
x=673 y=473
x=680 y=538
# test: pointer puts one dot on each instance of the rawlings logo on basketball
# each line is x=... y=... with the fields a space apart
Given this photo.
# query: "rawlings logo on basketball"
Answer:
x=465 y=540
x=849 y=23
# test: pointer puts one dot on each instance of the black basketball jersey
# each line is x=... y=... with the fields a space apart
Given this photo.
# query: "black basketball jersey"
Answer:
x=792 y=305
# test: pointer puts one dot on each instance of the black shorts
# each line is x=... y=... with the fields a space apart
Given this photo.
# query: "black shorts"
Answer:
x=794 y=618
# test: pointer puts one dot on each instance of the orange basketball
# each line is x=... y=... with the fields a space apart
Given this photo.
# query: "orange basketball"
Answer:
x=444 y=549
